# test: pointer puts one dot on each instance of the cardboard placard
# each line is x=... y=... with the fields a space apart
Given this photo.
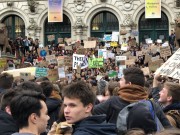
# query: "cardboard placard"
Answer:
x=51 y=59
x=68 y=47
x=60 y=61
x=154 y=65
x=60 y=40
x=89 y=44
x=146 y=71
x=129 y=62
x=81 y=51
x=51 y=37
x=68 y=61
x=53 y=75
x=165 y=51
x=147 y=58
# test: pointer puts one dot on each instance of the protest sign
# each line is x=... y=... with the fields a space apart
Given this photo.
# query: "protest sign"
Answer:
x=147 y=58
x=80 y=60
x=68 y=61
x=129 y=62
x=120 y=60
x=155 y=58
x=89 y=44
x=110 y=55
x=60 y=40
x=60 y=61
x=51 y=37
x=102 y=53
x=68 y=41
x=53 y=75
x=99 y=77
x=115 y=36
x=61 y=72
x=61 y=45
x=146 y=71
x=127 y=54
x=81 y=51
x=139 y=53
x=26 y=76
x=154 y=65
x=107 y=44
x=3 y=62
x=107 y=37
x=51 y=59
x=95 y=62
x=78 y=69
x=43 y=63
x=124 y=48
x=132 y=58
x=165 y=51
x=112 y=73
x=68 y=47
x=121 y=68
x=171 y=67
x=114 y=44
x=40 y=72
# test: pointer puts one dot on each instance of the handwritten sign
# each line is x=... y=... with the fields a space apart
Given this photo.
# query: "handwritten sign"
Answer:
x=53 y=75
x=89 y=44
x=165 y=51
x=40 y=72
x=95 y=63
x=80 y=60
x=171 y=67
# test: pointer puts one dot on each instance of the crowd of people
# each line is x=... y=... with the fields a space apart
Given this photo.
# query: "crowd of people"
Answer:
x=86 y=105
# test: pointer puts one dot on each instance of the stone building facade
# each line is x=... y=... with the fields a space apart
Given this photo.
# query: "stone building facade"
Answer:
x=34 y=13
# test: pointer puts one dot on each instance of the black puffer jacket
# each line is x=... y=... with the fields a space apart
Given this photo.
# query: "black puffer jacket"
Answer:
x=7 y=124
x=94 y=125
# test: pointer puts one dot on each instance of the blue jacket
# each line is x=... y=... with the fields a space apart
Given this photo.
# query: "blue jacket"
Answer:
x=94 y=125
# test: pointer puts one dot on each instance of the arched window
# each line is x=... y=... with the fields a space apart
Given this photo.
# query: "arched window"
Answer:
x=58 y=29
x=177 y=3
x=153 y=28
x=104 y=23
x=15 y=26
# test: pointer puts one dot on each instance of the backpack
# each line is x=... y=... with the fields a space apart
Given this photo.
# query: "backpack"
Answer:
x=175 y=114
x=145 y=111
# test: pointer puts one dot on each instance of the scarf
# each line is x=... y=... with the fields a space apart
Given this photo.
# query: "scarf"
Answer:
x=133 y=93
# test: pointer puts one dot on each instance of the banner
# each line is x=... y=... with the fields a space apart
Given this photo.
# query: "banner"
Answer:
x=26 y=76
x=152 y=8
x=95 y=63
x=55 y=10
x=80 y=60
x=171 y=67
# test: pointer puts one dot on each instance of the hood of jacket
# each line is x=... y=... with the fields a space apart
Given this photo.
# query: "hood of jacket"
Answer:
x=173 y=106
x=94 y=125
x=53 y=104
x=7 y=124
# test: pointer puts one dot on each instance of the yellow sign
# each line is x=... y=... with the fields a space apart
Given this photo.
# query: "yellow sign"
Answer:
x=152 y=8
x=3 y=63
x=114 y=44
x=55 y=10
